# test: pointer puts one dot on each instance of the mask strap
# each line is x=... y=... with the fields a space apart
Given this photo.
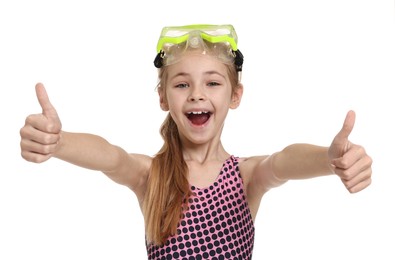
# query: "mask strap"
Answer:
x=158 y=62
x=239 y=58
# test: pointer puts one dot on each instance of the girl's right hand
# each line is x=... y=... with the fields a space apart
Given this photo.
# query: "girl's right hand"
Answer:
x=41 y=133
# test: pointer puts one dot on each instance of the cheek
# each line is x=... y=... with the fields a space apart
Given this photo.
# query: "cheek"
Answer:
x=171 y=102
x=174 y=98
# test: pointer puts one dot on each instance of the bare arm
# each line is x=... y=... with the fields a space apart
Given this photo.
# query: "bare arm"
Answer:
x=95 y=153
x=302 y=161
x=42 y=138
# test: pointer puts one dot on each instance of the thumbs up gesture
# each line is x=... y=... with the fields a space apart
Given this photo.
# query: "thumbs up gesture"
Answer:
x=350 y=161
x=41 y=133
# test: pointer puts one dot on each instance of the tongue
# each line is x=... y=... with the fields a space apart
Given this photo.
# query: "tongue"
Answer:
x=198 y=119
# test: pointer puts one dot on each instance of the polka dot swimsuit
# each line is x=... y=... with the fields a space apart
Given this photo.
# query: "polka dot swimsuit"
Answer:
x=216 y=225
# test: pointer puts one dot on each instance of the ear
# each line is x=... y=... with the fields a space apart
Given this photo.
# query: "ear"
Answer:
x=162 y=99
x=236 y=97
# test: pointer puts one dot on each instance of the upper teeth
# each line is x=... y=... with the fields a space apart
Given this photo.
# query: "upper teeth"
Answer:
x=197 y=112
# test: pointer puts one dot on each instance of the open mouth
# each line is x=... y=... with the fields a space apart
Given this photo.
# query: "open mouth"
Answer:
x=198 y=117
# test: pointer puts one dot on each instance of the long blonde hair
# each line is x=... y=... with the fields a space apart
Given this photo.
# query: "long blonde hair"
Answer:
x=168 y=187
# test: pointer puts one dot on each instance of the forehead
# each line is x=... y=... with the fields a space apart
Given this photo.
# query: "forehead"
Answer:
x=195 y=63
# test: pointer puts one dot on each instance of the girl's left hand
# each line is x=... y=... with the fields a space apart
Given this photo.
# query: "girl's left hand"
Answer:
x=350 y=161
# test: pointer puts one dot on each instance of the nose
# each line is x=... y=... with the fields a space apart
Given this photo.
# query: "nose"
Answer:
x=196 y=94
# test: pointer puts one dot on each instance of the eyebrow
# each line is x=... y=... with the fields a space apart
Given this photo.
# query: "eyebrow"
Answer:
x=210 y=72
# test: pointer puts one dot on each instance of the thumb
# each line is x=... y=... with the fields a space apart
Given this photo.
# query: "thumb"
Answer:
x=52 y=124
x=48 y=110
x=347 y=128
x=340 y=143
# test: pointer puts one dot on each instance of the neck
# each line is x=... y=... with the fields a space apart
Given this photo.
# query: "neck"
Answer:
x=205 y=153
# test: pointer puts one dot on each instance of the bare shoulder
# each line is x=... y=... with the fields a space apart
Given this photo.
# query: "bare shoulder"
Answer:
x=139 y=168
x=258 y=174
x=248 y=167
x=134 y=173
x=140 y=162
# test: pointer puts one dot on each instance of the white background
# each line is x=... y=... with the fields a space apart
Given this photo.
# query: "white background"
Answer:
x=306 y=64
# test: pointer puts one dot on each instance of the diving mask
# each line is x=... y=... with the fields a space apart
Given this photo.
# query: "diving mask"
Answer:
x=217 y=40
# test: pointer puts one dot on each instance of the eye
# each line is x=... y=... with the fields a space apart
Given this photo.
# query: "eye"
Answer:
x=182 y=85
x=213 y=84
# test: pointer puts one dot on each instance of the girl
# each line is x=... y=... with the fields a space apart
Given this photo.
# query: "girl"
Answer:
x=198 y=200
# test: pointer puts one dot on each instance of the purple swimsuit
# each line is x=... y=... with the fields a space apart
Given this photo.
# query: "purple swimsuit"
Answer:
x=217 y=224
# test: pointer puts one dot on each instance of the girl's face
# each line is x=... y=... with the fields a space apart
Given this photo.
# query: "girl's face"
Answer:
x=198 y=96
